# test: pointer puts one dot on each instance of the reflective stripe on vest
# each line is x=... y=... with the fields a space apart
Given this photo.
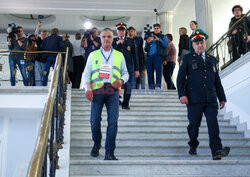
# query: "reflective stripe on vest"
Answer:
x=96 y=82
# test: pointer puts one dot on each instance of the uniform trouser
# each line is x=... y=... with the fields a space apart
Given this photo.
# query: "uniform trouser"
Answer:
x=167 y=73
x=21 y=64
x=127 y=90
x=154 y=62
x=109 y=97
x=77 y=72
x=195 y=112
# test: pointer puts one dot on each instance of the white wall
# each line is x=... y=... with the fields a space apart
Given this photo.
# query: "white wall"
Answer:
x=236 y=81
x=20 y=115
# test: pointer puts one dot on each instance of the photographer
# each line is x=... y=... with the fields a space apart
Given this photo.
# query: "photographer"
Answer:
x=155 y=47
x=17 y=42
x=240 y=36
x=91 y=41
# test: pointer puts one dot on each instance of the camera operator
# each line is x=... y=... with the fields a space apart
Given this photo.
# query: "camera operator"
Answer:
x=155 y=47
x=17 y=42
x=91 y=41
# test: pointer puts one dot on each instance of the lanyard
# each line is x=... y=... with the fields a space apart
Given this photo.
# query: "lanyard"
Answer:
x=107 y=59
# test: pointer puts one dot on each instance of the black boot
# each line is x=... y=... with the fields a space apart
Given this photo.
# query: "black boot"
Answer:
x=110 y=156
x=221 y=153
x=95 y=150
x=192 y=151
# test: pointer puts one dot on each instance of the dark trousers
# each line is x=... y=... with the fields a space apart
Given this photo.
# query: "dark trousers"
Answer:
x=22 y=67
x=239 y=46
x=154 y=62
x=109 y=97
x=127 y=89
x=79 y=65
x=195 y=112
x=167 y=73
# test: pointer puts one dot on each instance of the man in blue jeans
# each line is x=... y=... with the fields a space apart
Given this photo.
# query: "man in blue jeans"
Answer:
x=52 y=43
x=17 y=43
x=104 y=74
x=155 y=47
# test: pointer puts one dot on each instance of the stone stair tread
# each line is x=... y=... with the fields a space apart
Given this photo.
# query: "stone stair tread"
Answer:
x=137 y=118
x=133 y=124
x=161 y=162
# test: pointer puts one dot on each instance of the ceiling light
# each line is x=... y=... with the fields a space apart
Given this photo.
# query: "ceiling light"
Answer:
x=87 y=25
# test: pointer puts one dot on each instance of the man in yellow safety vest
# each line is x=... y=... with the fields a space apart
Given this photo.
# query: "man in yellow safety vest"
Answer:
x=104 y=74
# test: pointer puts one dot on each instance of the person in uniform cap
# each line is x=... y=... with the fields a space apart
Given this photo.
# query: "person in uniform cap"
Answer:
x=128 y=48
x=199 y=86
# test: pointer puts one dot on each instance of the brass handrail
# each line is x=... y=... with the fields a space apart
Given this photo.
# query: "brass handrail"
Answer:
x=65 y=65
x=37 y=160
x=212 y=47
x=24 y=51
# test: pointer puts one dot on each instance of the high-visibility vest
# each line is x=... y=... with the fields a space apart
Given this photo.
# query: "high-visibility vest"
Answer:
x=96 y=82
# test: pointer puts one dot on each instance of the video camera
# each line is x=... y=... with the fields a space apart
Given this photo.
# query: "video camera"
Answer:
x=147 y=31
x=88 y=33
x=12 y=30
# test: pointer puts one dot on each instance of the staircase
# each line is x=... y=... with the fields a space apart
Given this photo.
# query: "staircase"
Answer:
x=152 y=141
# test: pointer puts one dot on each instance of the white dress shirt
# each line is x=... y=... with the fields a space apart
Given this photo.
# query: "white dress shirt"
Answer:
x=77 y=49
x=88 y=68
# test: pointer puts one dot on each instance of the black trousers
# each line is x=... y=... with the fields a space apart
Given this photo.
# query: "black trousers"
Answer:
x=239 y=46
x=127 y=90
x=195 y=112
x=167 y=74
x=79 y=65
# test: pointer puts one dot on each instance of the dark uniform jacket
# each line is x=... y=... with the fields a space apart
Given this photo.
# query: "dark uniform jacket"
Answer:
x=129 y=51
x=199 y=80
x=141 y=55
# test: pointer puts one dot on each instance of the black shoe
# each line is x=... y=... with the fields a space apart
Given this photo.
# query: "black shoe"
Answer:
x=110 y=156
x=221 y=153
x=95 y=150
x=192 y=151
x=125 y=107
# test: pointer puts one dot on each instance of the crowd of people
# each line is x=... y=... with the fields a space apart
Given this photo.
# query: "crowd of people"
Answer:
x=160 y=57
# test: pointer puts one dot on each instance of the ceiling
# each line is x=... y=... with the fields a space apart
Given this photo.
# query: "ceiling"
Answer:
x=70 y=15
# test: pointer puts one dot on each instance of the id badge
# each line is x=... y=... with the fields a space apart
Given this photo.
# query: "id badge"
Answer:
x=105 y=71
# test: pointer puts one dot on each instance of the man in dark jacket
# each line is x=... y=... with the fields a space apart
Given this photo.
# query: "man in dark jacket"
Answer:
x=18 y=42
x=240 y=35
x=141 y=56
x=199 y=86
x=156 y=52
x=52 y=43
x=128 y=48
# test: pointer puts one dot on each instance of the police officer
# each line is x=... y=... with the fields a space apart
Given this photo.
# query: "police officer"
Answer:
x=104 y=74
x=128 y=48
x=199 y=86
